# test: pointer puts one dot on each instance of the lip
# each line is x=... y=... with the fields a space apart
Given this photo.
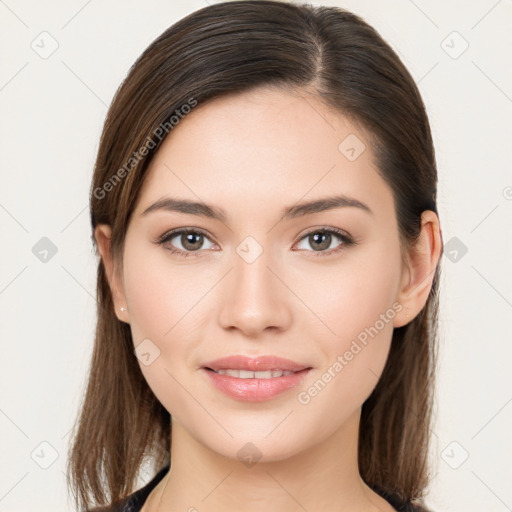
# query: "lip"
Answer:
x=255 y=364
x=255 y=390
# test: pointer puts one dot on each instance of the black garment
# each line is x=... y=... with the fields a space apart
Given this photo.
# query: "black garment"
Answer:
x=134 y=502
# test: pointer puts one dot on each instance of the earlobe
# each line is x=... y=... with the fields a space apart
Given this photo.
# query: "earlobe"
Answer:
x=103 y=236
x=422 y=260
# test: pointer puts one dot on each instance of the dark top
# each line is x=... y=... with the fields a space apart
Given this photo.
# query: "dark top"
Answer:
x=134 y=502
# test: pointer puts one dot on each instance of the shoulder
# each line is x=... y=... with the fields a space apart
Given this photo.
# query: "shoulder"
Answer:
x=133 y=502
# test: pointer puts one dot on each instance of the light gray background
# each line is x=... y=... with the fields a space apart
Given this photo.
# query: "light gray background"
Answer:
x=52 y=110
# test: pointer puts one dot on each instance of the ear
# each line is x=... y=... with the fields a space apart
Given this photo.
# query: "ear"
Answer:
x=418 y=273
x=103 y=236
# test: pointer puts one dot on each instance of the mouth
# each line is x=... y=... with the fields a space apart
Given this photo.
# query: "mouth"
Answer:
x=255 y=379
x=247 y=374
x=255 y=364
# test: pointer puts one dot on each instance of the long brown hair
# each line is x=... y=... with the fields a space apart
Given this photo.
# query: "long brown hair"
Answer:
x=229 y=48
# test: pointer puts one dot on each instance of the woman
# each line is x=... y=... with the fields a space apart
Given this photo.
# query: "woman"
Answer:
x=264 y=209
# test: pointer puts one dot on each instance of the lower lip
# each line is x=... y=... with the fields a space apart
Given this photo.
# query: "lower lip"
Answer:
x=255 y=390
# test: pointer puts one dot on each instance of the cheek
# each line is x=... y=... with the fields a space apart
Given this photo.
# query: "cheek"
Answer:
x=160 y=294
x=351 y=295
x=164 y=301
x=356 y=303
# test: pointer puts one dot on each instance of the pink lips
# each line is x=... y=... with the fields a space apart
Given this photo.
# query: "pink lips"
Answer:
x=254 y=389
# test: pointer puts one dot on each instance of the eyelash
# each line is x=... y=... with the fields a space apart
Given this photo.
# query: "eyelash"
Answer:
x=346 y=239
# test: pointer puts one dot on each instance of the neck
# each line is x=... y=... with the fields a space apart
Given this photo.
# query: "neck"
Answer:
x=323 y=478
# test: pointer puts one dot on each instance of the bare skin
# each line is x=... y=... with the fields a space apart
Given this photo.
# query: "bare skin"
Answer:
x=252 y=155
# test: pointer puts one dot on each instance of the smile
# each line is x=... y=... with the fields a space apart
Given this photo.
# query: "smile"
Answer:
x=254 y=386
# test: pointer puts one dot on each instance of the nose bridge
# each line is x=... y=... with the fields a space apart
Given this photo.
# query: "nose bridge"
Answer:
x=251 y=272
x=254 y=300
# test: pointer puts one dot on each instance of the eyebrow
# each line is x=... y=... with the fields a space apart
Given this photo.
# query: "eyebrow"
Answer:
x=173 y=204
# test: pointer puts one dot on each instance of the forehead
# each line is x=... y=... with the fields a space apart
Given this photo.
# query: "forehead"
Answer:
x=261 y=149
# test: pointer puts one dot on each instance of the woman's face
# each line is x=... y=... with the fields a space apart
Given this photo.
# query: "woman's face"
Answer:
x=260 y=282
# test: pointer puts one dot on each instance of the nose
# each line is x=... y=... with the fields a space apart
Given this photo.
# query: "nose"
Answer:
x=254 y=297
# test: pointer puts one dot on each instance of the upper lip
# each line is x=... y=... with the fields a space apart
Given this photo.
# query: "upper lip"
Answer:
x=261 y=363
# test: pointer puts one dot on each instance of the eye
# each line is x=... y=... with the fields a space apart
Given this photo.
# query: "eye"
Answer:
x=189 y=241
x=322 y=239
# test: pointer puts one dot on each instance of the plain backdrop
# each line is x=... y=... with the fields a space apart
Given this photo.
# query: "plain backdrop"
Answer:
x=62 y=61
